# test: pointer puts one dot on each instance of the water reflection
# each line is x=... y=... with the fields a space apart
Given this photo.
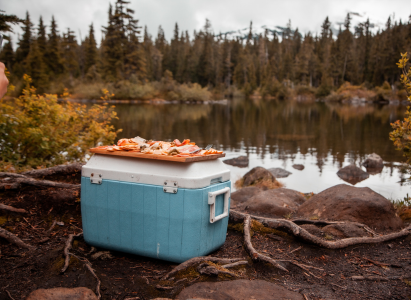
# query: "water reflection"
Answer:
x=322 y=136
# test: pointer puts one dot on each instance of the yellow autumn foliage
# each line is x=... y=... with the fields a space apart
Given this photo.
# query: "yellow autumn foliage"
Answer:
x=42 y=131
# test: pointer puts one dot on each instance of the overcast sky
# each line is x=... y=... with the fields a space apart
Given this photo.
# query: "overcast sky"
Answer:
x=225 y=15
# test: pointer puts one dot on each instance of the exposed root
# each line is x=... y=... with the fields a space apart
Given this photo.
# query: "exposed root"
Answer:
x=253 y=253
x=239 y=263
x=207 y=269
x=88 y=265
x=197 y=260
x=295 y=230
x=12 y=238
x=325 y=223
x=67 y=250
x=11 y=208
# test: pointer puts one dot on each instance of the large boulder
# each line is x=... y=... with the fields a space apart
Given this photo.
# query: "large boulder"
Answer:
x=373 y=163
x=244 y=194
x=273 y=203
x=238 y=289
x=279 y=172
x=257 y=175
x=241 y=161
x=352 y=174
x=348 y=203
x=60 y=293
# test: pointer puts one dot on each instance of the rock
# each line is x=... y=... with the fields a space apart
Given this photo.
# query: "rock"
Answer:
x=279 y=172
x=241 y=161
x=244 y=194
x=352 y=174
x=238 y=289
x=348 y=203
x=345 y=230
x=298 y=167
x=256 y=175
x=314 y=230
x=80 y=293
x=373 y=161
x=273 y=203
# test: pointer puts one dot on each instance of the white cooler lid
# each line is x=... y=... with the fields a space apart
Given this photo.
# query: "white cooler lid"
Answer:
x=149 y=171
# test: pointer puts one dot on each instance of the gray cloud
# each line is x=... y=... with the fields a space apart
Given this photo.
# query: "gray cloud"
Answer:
x=225 y=15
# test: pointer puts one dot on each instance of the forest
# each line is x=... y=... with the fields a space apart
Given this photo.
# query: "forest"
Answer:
x=135 y=65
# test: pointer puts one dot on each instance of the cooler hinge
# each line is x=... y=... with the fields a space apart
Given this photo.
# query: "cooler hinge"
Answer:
x=98 y=179
x=170 y=187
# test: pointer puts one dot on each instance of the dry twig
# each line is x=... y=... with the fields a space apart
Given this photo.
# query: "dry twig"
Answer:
x=11 y=208
x=12 y=238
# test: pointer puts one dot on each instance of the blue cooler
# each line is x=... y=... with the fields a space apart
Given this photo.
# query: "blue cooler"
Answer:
x=167 y=210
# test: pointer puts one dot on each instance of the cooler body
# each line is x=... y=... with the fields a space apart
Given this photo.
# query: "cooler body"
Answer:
x=175 y=221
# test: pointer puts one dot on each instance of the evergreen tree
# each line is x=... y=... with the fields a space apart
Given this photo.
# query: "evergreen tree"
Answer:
x=70 y=53
x=90 y=49
x=26 y=40
x=36 y=68
x=54 y=54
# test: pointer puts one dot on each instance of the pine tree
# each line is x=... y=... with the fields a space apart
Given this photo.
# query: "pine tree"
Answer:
x=7 y=20
x=36 y=68
x=7 y=55
x=90 y=49
x=26 y=40
x=53 y=57
x=70 y=54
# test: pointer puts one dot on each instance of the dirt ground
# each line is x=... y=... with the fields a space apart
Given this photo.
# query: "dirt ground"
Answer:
x=124 y=275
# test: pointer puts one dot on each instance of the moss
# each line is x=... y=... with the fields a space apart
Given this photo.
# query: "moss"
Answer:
x=314 y=218
x=58 y=264
x=405 y=215
x=260 y=228
x=166 y=283
x=237 y=227
x=75 y=244
x=328 y=237
x=189 y=273
x=3 y=220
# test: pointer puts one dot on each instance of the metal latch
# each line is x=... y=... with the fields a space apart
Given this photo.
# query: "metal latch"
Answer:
x=96 y=180
x=170 y=187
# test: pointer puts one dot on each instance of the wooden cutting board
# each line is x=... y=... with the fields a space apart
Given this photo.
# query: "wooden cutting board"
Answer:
x=155 y=156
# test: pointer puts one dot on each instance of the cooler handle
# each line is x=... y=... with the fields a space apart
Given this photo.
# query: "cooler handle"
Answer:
x=211 y=201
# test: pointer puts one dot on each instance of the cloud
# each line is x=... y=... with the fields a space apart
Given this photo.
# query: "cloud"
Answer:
x=225 y=15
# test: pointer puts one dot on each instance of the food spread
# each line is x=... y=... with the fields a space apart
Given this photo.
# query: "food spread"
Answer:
x=174 y=148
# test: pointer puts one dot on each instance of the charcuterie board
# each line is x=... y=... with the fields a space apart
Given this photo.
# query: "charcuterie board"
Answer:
x=157 y=157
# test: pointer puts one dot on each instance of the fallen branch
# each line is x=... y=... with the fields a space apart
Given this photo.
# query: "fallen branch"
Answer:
x=304 y=235
x=67 y=250
x=13 y=209
x=197 y=260
x=10 y=183
x=12 y=238
x=61 y=169
x=253 y=253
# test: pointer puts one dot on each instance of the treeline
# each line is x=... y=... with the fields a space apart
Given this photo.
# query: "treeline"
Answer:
x=266 y=63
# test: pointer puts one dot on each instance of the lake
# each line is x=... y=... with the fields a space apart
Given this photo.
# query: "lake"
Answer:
x=322 y=136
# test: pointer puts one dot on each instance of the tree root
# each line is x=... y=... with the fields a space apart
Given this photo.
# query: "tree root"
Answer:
x=253 y=253
x=305 y=236
x=379 y=278
x=239 y=263
x=11 y=208
x=67 y=250
x=12 y=238
x=86 y=262
x=197 y=260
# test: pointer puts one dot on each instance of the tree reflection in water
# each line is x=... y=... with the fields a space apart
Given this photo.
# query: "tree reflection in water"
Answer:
x=326 y=136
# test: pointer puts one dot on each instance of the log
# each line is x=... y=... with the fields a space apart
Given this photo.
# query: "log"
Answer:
x=56 y=170
x=305 y=236
x=17 y=182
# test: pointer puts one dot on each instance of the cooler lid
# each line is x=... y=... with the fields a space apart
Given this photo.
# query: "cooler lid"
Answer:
x=186 y=175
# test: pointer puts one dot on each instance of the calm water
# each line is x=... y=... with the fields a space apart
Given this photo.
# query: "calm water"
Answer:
x=322 y=136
